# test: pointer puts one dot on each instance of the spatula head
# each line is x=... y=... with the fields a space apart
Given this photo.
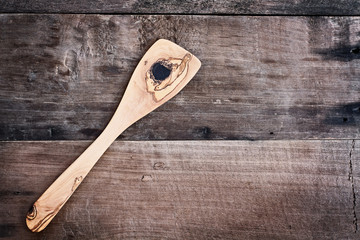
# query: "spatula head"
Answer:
x=166 y=68
x=163 y=71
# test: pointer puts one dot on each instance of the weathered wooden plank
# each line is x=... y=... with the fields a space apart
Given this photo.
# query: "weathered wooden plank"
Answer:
x=187 y=190
x=262 y=77
x=284 y=7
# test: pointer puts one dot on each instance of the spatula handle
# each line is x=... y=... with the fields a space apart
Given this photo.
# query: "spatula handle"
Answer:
x=54 y=198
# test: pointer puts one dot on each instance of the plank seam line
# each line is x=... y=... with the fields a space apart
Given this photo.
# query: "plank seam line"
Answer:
x=183 y=140
x=180 y=14
x=351 y=179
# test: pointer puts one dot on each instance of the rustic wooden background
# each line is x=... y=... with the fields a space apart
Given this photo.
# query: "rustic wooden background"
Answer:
x=262 y=144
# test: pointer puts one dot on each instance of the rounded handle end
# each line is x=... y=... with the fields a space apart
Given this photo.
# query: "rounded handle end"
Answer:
x=36 y=221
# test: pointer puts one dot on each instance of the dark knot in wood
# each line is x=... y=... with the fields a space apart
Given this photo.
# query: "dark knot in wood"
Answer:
x=166 y=74
x=31 y=213
x=160 y=71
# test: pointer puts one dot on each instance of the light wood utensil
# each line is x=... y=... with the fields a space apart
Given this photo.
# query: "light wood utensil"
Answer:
x=162 y=72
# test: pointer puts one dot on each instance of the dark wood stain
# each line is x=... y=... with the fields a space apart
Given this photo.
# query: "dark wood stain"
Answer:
x=314 y=7
x=7 y=193
x=91 y=132
x=345 y=53
x=312 y=59
x=110 y=70
x=268 y=61
x=346 y=115
x=203 y=132
x=7 y=230
x=342 y=49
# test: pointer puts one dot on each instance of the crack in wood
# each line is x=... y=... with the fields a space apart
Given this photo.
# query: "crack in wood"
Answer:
x=351 y=179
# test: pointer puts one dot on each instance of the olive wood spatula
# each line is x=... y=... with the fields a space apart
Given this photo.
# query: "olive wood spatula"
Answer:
x=162 y=72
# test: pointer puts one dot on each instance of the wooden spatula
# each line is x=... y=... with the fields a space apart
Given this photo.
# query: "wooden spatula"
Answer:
x=162 y=72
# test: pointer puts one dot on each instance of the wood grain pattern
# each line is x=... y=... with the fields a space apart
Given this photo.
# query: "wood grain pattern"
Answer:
x=267 y=77
x=163 y=57
x=228 y=7
x=188 y=190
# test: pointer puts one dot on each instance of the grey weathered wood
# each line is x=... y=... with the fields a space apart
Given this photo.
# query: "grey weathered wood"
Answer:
x=188 y=190
x=284 y=7
x=261 y=78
